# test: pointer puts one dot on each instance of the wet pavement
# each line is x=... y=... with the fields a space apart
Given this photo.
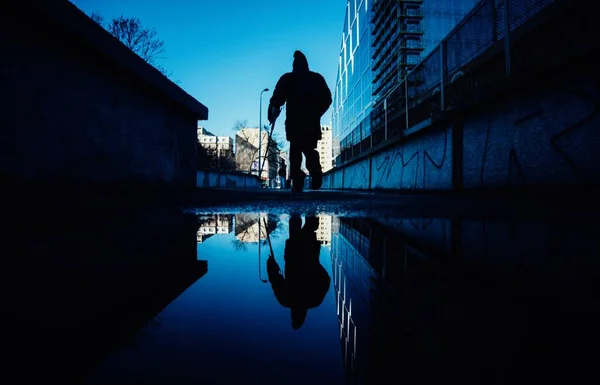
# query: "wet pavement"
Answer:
x=367 y=289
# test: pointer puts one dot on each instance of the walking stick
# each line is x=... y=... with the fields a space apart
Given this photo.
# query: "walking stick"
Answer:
x=268 y=142
x=271 y=254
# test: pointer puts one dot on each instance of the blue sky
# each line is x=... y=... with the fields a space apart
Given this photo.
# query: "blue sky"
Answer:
x=225 y=52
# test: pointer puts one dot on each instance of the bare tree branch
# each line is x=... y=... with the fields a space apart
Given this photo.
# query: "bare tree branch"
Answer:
x=273 y=151
x=98 y=18
x=140 y=40
x=143 y=41
x=211 y=159
x=282 y=144
x=246 y=151
x=239 y=245
x=239 y=124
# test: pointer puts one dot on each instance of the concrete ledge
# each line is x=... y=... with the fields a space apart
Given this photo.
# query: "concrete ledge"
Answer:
x=56 y=196
x=72 y=20
x=214 y=179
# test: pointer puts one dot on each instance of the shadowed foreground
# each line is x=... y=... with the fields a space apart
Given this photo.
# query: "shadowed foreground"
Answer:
x=76 y=285
x=419 y=288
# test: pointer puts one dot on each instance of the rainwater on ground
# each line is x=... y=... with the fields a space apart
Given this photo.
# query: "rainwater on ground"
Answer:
x=292 y=294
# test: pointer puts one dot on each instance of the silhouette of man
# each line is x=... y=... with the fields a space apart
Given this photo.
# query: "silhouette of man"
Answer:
x=306 y=282
x=307 y=98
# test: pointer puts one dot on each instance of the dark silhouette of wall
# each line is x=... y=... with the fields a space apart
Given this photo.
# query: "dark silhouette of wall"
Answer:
x=77 y=107
x=77 y=285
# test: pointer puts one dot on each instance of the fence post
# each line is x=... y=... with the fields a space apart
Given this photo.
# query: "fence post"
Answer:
x=506 y=39
x=360 y=138
x=385 y=134
x=494 y=21
x=406 y=101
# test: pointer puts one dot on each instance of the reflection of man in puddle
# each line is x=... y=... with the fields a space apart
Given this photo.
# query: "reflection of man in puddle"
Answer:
x=306 y=282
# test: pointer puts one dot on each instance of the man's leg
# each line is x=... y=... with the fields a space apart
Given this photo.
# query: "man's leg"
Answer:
x=296 y=174
x=313 y=164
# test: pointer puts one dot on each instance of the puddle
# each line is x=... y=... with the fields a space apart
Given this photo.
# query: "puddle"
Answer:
x=274 y=297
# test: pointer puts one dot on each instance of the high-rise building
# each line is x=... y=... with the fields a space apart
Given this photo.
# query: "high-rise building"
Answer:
x=247 y=153
x=439 y=17
x=324 y=146
x=213 y=224
x=284 y=158
x=222 y=145
x=250 y=228
x=353 y=282
x=324 y=230
x=203 y=131
x=405 y=31
x=352 y=97
x=382 y=41
x=247 y=228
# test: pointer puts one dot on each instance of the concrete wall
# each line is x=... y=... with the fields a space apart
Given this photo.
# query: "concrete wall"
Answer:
x=422 y=162
x=542 y=136
x=76 y=105
x=211 y=179
x=545 y=136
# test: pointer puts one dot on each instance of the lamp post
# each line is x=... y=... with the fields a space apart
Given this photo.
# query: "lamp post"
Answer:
x=259 y=262
x=260 y=135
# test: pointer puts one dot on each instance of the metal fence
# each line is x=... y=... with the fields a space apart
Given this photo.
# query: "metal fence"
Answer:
x=422 y=93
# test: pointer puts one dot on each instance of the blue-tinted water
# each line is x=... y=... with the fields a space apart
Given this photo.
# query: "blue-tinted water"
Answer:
x=228 y=327
x=264 y=296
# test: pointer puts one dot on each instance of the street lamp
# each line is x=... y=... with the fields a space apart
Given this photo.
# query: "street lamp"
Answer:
x=260 y=135
x=259 y=262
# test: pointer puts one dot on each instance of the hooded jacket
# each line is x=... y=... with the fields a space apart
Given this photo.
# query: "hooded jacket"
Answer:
x=306 y=96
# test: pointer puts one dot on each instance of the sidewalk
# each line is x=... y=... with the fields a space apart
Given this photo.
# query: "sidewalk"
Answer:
x=473 y=204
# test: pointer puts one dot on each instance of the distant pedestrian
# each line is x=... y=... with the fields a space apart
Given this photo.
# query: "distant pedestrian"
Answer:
x=282 y=174
x=307 y=97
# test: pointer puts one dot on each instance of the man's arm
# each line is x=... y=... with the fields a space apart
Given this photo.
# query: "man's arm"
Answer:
x=325 y=100
x=278 y=99
x=277 y=282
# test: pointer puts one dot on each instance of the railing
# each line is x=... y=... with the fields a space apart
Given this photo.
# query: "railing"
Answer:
x=481 y=30
x=407 y=14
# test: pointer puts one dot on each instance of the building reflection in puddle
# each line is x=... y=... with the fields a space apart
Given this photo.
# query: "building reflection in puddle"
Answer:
x=479 y=300
x=301 y=283
x=210 y=225
x=412 y=299
x=265 y=310
x=424 y=300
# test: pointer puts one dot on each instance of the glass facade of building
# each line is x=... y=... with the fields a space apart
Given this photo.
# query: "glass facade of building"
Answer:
x=353 y=279
x=369 y=269
x=382 y=41
x=352 y=94
x=440 y=16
